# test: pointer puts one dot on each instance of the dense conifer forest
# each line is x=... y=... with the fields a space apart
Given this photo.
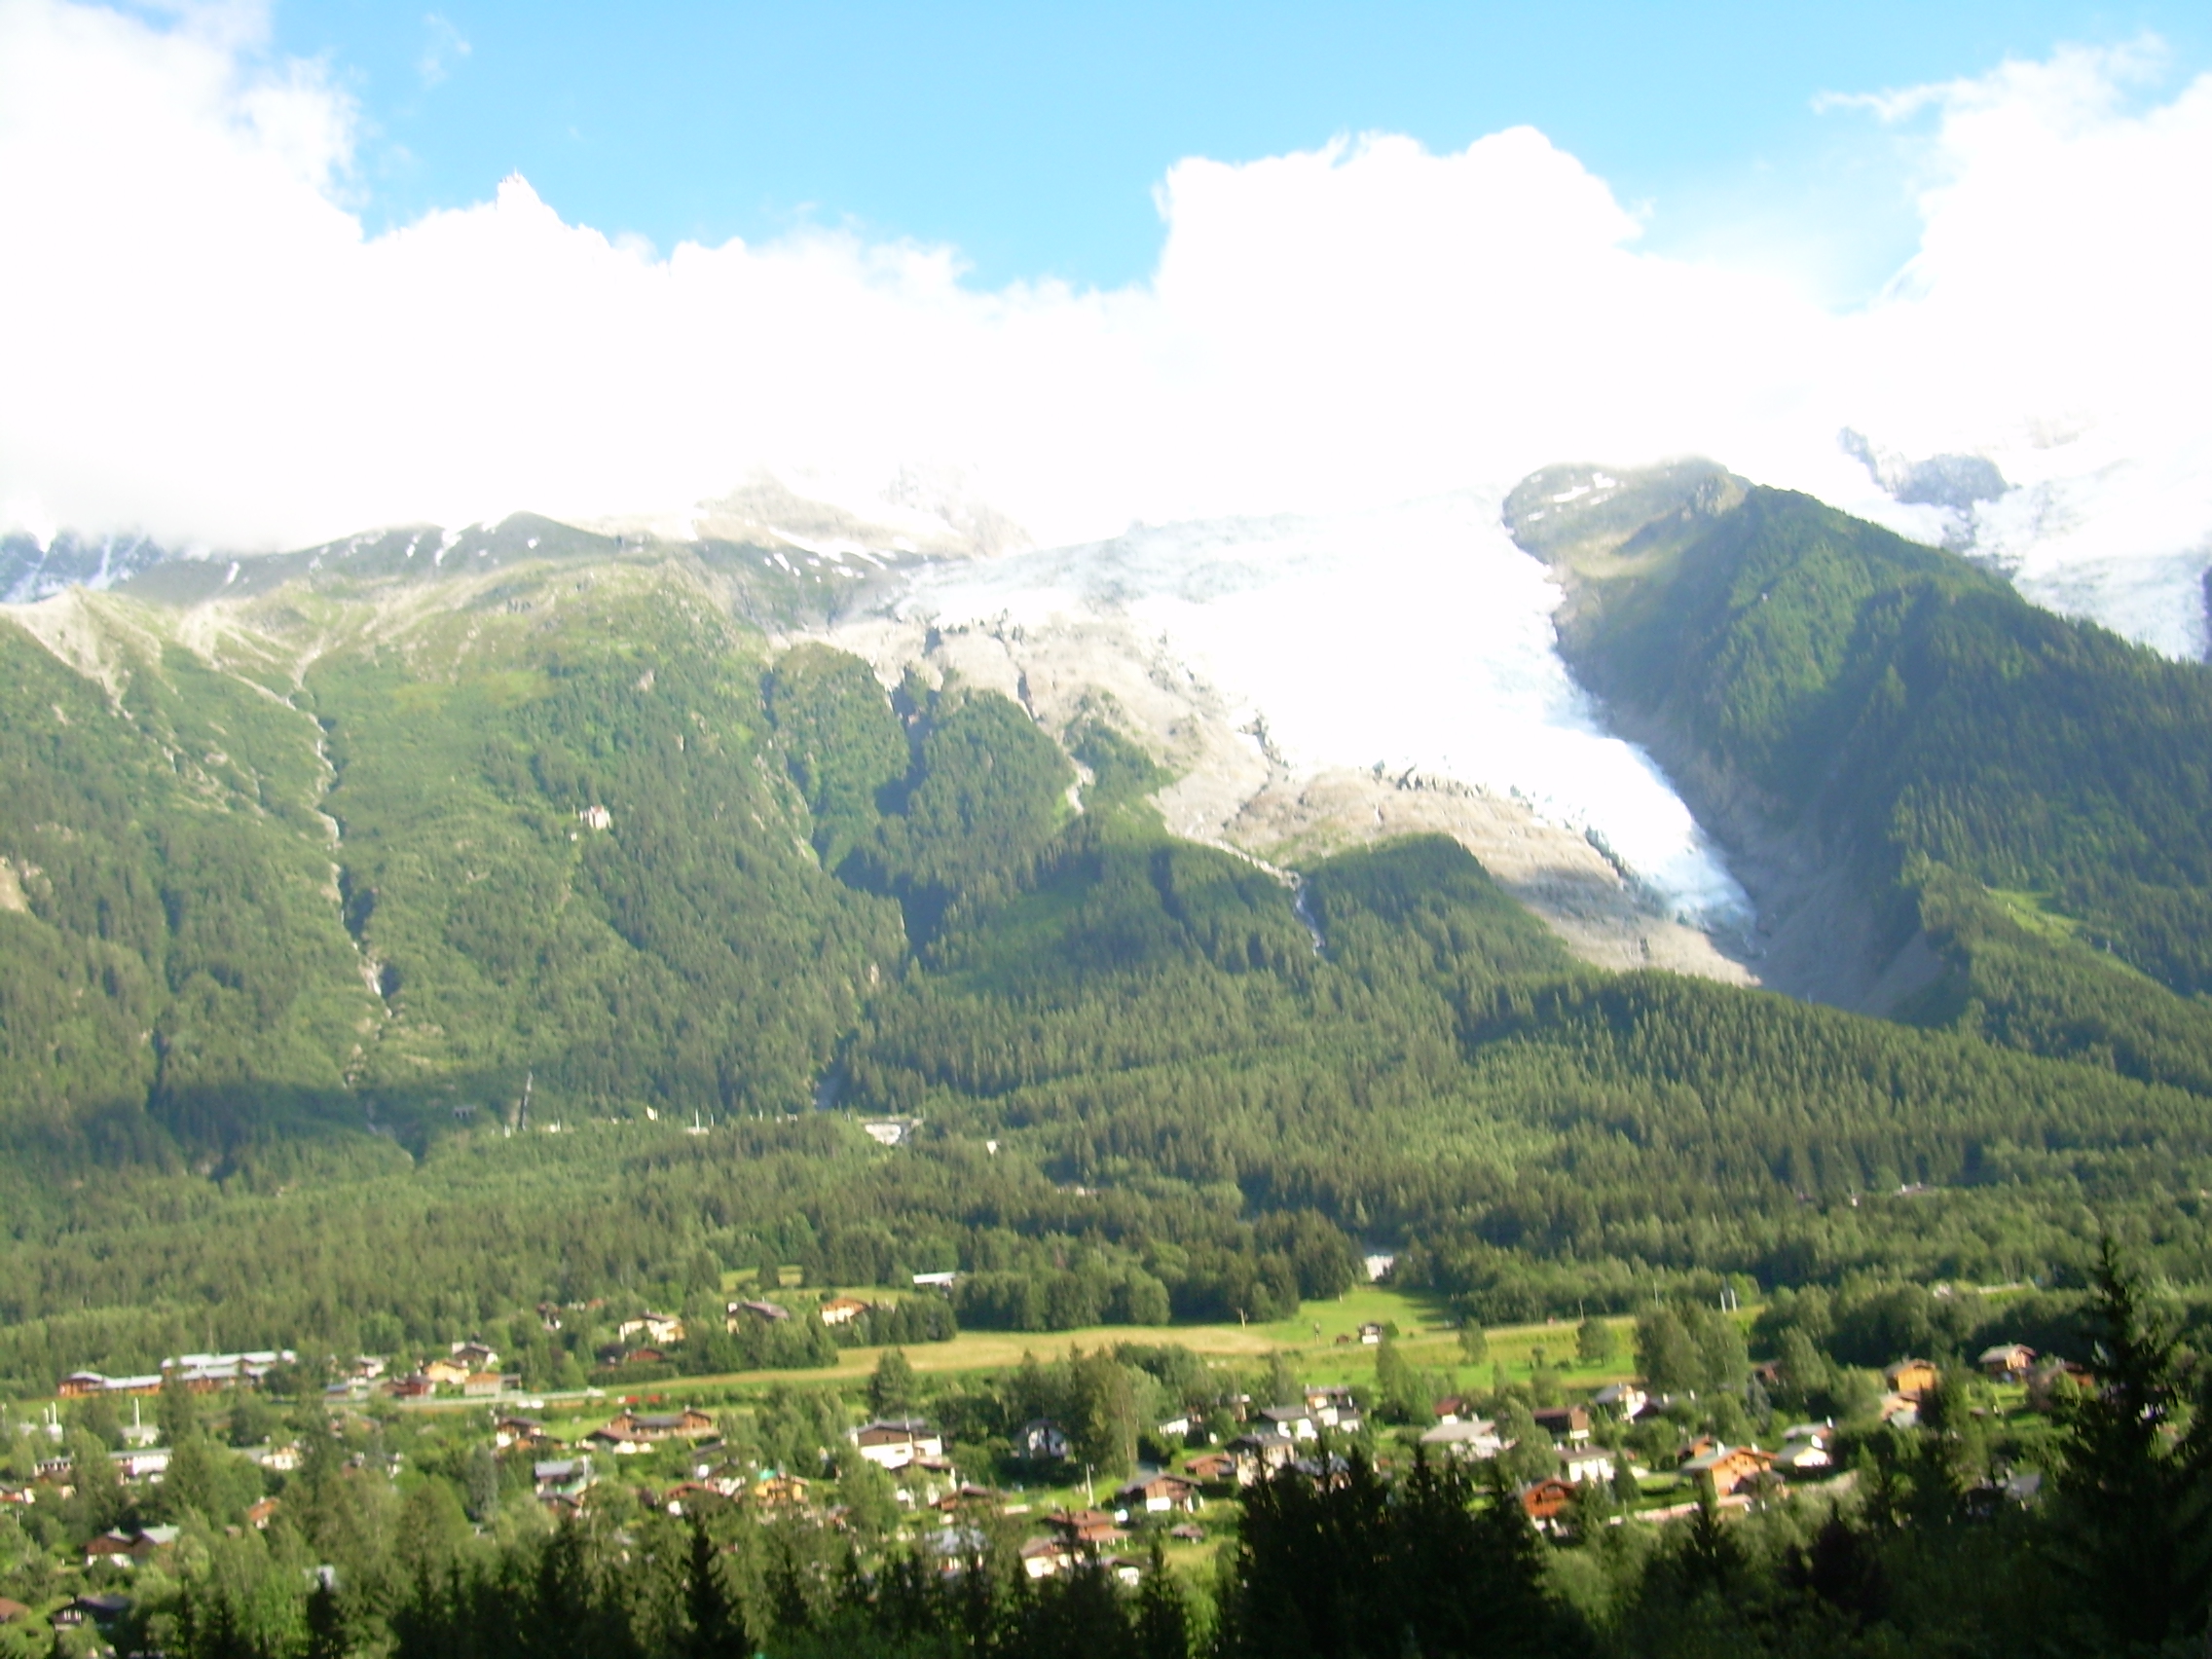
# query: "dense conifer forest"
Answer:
x=318 y=925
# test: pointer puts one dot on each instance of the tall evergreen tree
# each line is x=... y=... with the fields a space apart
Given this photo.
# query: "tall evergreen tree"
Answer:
x=2131 y=1528
x=716 y=1626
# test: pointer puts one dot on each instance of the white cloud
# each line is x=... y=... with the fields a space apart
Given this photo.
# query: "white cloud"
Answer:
x=203 y=342
x=443 y=46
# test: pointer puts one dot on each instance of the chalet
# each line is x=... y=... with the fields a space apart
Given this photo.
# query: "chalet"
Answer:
x=1899 y=1411
x=1568 y=1423
x=477 y=1356
x=1041 y=1440
x=1586 y=1463
x=843 y=1310
x=1724 y=1469
x=767 y=1312
x=1158 y=1494
x=1371 y=1334
x=966 y=1496
x=688 y=1498
x=140 y=1463
x=483 y=1384
x=1211 y=1466
x=129 y=1549
x=282 y=1460
x=1294 y=1421
x=12 y=1610
x=561 y=1477
x=893 y=1443
x=1625 y=1400
x=1042 y=1558
x=1086 y=1526
x=1911 y=1378
x=1803 y=1456
x=1542 y=1501
x=202 y=1373
x=518 y=1431
x=91 y=1610
x=1808 y=1448
x=614 y=1353
x=657 y=1328
x=691 y=1423
x=412 y=1388
x=1176 y=1427
x=2008 y=1362
x=445 y=1372
x=1452 y=1408
x=780 y=1491
x=1329 y=1404
x=1331 y=1471
x=114 y=1546
x=1468 y=1437
x=80 y=1383
x=260 y=1513
x=205 y=1372
x=1260 y=1454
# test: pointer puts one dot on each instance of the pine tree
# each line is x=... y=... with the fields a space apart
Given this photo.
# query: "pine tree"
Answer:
x=717 y=1623
x=892 y=1387
x=326 y=1620
x=2130 y=1530
x=1162 y=1617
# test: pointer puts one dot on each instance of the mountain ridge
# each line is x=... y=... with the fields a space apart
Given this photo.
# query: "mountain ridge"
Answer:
x=382 y=852
x=1930 y=782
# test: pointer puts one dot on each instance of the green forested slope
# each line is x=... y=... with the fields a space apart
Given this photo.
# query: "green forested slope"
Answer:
x=169 y=928
x=1203 y=1088
x=2034 y=792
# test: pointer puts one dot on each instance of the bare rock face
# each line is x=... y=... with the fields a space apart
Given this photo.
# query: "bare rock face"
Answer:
x=915 y=513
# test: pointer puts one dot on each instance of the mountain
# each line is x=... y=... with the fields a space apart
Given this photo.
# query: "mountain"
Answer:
x=336 y=882
x=1950 y=803
x=34 y=568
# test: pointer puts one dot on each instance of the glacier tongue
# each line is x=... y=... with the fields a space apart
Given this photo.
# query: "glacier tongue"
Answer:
x=1413 y=639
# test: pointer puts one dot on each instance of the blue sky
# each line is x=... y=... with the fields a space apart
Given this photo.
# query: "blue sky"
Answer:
x=1616 y=234
x=1030 y=137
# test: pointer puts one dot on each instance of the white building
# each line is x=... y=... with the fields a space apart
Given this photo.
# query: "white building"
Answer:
x=894 y=1443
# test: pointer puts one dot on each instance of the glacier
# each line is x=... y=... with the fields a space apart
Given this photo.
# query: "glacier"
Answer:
x=1415 y=638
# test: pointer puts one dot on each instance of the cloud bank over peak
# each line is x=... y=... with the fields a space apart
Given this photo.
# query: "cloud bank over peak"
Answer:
x=207 y=346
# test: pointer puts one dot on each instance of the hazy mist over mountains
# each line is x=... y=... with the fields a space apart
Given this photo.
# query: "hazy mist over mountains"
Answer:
x=1338 y=330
